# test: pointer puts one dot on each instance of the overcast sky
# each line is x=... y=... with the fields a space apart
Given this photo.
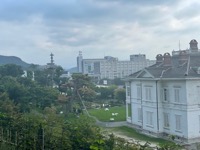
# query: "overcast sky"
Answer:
x=32 y=29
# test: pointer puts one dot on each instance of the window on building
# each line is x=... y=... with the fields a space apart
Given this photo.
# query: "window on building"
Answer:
x=139 y=114
x=165 y=94
x=148 y=93
x=149 y=118
x=128 y=90
x=166 y=120
x=178 y=122
x=177 y=95
x=129 y=110
x=138 y=92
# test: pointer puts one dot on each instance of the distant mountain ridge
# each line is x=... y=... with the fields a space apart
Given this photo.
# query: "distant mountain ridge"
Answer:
x=73 y=70
x=13 y=60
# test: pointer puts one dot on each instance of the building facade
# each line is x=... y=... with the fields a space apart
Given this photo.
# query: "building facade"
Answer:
x=110 y=67
x=164 y=99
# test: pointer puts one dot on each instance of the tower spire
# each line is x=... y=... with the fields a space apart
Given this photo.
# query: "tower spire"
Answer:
x=52 y=58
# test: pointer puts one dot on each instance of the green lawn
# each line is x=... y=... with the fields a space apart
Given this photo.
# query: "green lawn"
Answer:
x=132 y=133
x=103 y=115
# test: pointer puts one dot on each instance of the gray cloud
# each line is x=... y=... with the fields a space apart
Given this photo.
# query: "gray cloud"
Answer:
x=113 y=27
x=188 y=12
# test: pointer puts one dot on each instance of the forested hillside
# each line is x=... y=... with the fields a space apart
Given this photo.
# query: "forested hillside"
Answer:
x=12 y=60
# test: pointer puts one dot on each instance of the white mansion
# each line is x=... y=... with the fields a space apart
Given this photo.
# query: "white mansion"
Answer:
x=164 y=99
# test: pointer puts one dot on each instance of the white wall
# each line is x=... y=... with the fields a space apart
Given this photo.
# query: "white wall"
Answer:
x=188 y=107
x=193 y=123
x=193 y=100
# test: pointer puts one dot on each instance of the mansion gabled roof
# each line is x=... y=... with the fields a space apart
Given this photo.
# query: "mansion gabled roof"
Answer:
x=182 y=65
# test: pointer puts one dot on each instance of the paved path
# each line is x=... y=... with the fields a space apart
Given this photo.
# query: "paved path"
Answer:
x=111 y=124
x=122 y=123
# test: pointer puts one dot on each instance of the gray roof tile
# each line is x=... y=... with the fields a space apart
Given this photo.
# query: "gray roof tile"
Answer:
x=188 y=68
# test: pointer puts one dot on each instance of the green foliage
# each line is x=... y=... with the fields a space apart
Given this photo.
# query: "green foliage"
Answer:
x=80 y=81
x=87 y=94
x=106 y=92
x=11 y=70
x=120 y=95
x=118 y=81
x=42 y=77
x=170 y=146
x=25 y=93
x=58 y=72
x=29 y=117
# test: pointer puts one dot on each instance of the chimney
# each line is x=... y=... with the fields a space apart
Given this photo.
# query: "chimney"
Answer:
x=183 y=57
x=159 y=58
x=167 y=60
x=193 y=45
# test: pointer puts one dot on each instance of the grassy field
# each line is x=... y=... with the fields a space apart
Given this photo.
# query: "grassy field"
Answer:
x=132 y=133
x=103 y=115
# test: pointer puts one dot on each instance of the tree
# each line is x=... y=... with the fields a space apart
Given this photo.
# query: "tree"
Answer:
x=87 y=94
x=7 y=106
x=118 y=81
x=41 y=77
x=107 y=92
x=81 y=80
x=58 y=72
x=11 y=70
x=120 y=95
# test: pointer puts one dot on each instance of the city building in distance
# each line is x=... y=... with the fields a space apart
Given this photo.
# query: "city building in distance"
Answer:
x=164 y=99
x=110 y=67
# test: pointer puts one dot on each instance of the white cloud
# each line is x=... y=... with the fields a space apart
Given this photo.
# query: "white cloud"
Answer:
x=32 y=30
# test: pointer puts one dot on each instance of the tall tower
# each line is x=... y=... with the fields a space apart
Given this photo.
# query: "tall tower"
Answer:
x=51 y=67
x=52 y=58
x=79 y=62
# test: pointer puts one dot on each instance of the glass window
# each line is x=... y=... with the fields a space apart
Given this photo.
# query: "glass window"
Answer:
x=139 y=114
x=149 y=118
x=148 y=93
x=138 y=92
x=178 y=122
x=177 y=95
x=166 y=120
x=165 y=94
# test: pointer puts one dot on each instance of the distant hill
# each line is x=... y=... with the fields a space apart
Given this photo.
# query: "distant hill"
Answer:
x=13 y=60
x=73 y=70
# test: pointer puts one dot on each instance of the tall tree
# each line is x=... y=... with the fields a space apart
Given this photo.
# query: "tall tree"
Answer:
x=120 y=95
x=11 y=70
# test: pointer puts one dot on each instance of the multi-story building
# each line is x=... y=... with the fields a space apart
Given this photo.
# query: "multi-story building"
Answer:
x=164 y=99
x=110 y=67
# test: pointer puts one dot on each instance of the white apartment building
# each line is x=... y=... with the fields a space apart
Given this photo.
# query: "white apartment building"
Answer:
x=164 y=99
x=110 y=67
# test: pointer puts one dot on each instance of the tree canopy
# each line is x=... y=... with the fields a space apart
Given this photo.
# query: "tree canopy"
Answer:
x=31 y=115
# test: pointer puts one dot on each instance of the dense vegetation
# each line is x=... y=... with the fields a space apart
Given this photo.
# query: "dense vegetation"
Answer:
x=37 y=115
